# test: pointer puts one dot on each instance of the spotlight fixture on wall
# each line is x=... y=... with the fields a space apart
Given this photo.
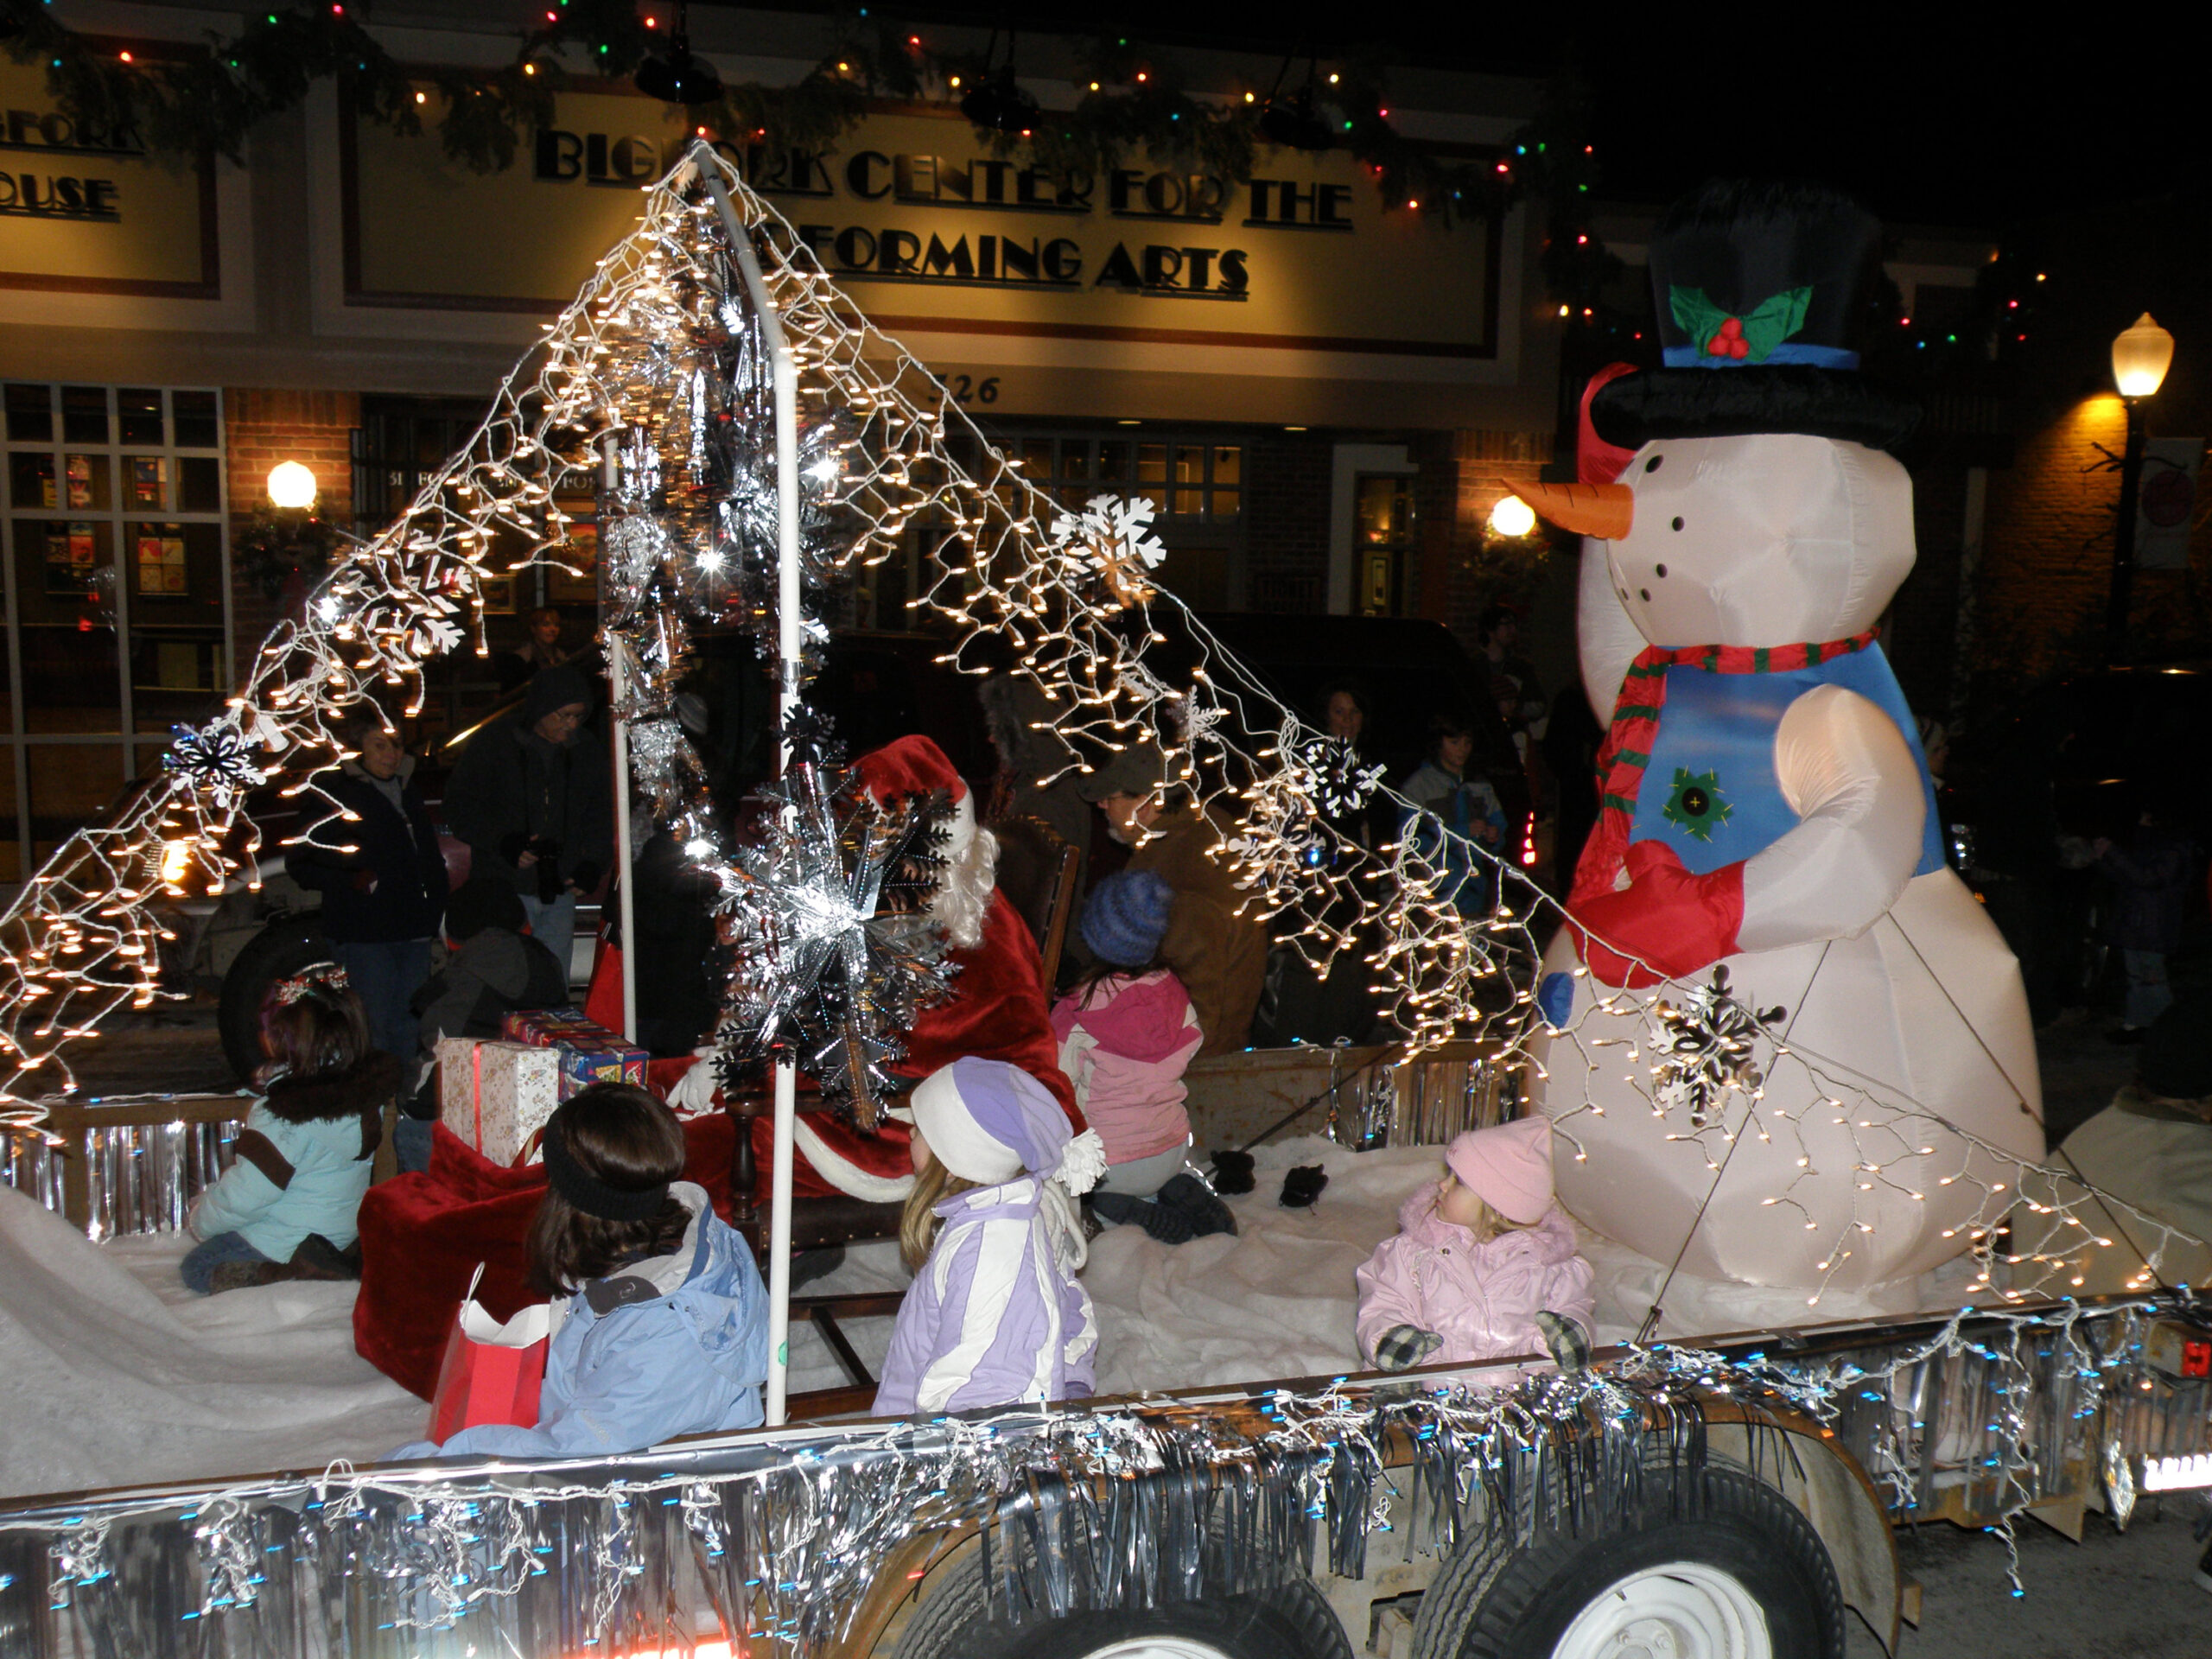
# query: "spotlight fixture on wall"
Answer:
x=676 y=75
x=1291 y=121
x=996 y=101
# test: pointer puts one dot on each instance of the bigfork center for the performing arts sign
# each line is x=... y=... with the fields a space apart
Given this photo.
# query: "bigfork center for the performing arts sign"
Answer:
x=931 y=232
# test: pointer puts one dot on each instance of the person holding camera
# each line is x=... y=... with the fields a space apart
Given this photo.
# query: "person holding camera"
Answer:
x=532 y=797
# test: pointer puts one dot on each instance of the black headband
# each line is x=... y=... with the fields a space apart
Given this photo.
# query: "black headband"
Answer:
x=586 y=1192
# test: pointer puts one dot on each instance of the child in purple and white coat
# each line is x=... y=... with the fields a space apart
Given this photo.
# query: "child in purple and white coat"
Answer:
x=1483 y=1265
x=995 y=1315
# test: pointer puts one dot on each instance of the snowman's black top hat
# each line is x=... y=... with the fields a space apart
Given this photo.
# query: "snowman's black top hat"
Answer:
x=1759 y=293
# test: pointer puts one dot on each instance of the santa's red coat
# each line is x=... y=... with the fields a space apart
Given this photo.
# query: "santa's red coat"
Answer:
x=997 y=1011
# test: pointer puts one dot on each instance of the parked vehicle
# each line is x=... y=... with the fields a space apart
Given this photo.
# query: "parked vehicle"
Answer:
x=2075 y=760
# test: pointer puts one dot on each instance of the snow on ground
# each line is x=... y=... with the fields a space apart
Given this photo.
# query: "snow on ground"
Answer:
x=112 y=1373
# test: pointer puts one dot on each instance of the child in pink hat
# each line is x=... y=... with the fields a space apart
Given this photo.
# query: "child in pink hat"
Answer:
x=1483 y=1265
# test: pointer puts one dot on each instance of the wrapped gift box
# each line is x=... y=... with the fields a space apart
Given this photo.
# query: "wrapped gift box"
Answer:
x=590 y=1060
x=542 y=1027
x=590 y=1053
x=497 y=1096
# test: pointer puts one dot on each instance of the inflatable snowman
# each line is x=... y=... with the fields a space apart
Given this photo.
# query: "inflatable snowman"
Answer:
x=1773 y=995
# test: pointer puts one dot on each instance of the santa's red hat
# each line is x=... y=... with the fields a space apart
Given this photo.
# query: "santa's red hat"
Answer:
x=913 y=765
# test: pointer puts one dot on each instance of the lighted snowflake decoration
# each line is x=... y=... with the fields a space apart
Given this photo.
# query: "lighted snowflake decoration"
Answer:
x=1341 y=784
x=1111 y=537
x=217 y=759
x=1706 y=1047
x=837 y=952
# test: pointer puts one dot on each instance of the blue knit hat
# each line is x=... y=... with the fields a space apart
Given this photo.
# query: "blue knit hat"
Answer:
x=1126 y=918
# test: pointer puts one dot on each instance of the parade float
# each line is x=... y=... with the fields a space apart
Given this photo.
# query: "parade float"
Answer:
x=751 y=438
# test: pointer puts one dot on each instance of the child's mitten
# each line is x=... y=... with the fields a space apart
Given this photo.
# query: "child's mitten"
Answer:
x=1303 y=1185
x=1569 y=1342
x=1232 y=1172
x=1404 y=1346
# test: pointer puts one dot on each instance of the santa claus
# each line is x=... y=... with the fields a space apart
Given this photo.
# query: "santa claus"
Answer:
x=997 y=1009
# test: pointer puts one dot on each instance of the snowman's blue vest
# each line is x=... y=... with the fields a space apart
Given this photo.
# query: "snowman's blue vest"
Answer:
x=1724 y=725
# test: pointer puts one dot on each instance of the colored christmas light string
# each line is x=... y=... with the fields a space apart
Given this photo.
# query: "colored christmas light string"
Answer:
x=651 y=382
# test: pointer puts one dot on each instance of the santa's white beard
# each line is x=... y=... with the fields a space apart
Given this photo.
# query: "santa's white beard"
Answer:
x=964 y=893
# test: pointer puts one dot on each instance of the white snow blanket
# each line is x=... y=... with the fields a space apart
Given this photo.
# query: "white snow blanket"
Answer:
x=111 y=1373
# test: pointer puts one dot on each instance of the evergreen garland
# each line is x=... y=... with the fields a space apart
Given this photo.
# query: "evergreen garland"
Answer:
x=194 y=102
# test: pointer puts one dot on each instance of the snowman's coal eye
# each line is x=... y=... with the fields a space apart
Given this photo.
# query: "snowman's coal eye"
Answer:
x=1678 y=524
x=1652 y=464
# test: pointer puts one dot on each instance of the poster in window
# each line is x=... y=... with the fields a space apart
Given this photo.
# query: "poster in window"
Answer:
x=150 y=477
x=498 y=595
x=80 y=481
x=162 y=571
x=579 y=554
x=70 y=557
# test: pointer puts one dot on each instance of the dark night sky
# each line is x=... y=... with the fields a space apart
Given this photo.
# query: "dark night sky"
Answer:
x=1984 y=121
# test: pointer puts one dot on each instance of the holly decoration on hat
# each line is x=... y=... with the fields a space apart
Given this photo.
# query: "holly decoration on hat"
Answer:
x=1748 y=337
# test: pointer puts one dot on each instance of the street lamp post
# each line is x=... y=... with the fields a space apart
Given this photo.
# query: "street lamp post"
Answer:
x=2140 y=357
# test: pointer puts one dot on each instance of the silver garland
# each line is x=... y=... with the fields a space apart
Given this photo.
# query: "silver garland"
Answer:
x=1117 y=1506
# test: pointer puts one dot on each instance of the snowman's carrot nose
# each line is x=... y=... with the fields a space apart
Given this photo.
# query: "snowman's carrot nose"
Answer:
x=1601 y=509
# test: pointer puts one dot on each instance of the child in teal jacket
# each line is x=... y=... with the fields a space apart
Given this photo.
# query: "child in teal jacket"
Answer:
x=286 y=1208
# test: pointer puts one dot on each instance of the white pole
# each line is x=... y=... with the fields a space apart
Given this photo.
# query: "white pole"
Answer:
x=785 y=379
x=618 y=680
x=626 y=857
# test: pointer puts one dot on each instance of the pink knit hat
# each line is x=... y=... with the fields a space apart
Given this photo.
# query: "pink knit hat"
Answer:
x=1508 y=1167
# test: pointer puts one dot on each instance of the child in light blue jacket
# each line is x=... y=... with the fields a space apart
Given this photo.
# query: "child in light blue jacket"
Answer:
x=286 y=1208
x=660 y=1320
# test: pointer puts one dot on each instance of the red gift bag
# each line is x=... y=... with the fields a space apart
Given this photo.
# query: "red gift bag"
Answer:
x=492 y=1373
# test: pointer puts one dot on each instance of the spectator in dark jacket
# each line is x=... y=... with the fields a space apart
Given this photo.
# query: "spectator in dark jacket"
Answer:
x=2151 y=873
x=493 y=966
x=382 y=877
x=532 y=798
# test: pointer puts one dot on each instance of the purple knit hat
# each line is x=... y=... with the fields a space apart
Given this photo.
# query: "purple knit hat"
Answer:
x=986 y=1122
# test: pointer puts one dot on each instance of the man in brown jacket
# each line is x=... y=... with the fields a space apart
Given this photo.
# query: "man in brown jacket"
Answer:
x=1221 y=956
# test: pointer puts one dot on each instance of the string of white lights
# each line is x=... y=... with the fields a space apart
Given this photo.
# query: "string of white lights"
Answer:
x=652 y=356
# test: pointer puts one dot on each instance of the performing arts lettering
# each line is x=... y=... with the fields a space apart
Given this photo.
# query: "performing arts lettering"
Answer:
x=1187 y=202
x=1301 y=255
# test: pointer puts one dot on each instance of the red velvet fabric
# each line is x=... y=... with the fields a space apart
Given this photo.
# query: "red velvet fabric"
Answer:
x=422 y=1235
x=997 y=1011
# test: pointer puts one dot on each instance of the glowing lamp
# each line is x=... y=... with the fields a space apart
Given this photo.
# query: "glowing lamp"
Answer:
x=176 y=863
x=291 y=484
x=2140 y=358
x=1512 y=517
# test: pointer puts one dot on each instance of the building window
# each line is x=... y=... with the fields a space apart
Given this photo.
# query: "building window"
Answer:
x=1196 y=479
x=1382 y=544
x=116 y=589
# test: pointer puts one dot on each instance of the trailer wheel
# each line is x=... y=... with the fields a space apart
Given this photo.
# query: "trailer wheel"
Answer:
x=1737 y=1574
x=285 y=946
x=1291 y=1621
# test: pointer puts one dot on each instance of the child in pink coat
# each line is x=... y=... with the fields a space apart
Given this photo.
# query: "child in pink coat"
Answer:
x=1483 y=1265
x=1126 y=1031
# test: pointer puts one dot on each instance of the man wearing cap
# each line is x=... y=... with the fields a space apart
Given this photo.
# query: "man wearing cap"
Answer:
x=1220 y=956
x=532 y=797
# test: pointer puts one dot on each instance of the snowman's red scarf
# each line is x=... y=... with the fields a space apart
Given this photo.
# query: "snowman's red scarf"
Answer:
x=1627 y=747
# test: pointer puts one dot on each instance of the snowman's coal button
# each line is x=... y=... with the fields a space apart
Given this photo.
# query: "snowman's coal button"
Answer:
x=1659 y=570
x=1652 y=464
x=1646 y=592
x=1678 y=524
